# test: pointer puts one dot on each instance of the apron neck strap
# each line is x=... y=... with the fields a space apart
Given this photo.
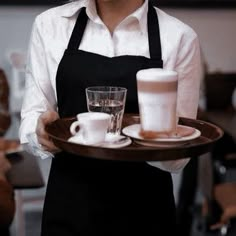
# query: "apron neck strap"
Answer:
x=78 y=30
x=154 y=34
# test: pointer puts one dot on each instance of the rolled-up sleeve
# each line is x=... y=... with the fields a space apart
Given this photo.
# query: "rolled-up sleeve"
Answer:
x=189 y=70
x=39 y=95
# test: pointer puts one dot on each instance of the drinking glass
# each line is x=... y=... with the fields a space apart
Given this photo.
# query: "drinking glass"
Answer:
x=157 y=98
x=109 y=100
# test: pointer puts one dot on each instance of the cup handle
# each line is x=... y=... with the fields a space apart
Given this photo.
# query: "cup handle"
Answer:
x=74 y=126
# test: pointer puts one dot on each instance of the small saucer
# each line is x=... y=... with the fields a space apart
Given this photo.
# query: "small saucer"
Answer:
x=116 y=141
x=183 y=136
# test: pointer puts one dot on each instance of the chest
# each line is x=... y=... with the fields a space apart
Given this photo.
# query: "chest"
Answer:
x=126 y=40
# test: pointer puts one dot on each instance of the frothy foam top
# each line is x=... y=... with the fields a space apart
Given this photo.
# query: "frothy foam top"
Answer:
x=157 y=74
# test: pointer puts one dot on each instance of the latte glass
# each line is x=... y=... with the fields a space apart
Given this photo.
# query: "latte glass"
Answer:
x=157 y=98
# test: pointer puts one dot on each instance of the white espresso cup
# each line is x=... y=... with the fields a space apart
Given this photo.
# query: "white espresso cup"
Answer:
x=92 y=126
x=157 y=98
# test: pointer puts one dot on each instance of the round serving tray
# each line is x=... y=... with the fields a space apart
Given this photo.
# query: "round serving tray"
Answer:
x=59 y=132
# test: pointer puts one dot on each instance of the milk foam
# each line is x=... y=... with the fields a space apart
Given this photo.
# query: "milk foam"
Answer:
x=157 y=74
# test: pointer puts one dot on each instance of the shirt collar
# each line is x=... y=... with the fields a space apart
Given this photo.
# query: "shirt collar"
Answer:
x=141 y=15
x=72 y=8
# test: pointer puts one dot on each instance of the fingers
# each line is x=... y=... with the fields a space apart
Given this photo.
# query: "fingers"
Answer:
x=5 y=165
x=42 y=135
x=48 y=145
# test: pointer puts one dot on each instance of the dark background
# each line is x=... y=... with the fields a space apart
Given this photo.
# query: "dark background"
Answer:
x=165 y=3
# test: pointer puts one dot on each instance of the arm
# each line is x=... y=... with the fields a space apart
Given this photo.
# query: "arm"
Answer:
x=188 y=66
x=39 y=95
x=5 y=118
x=189 y=69
x=5 y=122
x=7 y=203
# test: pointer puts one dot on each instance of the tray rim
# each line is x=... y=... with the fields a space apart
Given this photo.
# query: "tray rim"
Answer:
x=155 y=153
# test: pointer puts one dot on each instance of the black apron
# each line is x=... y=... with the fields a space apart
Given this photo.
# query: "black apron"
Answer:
x=91 y=197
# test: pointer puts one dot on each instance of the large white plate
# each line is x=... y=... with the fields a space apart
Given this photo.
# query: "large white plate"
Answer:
x=184 y=135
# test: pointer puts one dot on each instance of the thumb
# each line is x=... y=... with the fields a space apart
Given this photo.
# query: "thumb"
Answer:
x=49 y=116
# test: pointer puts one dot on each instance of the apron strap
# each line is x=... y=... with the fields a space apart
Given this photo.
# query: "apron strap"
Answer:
x=153 y=32
x=78 y=30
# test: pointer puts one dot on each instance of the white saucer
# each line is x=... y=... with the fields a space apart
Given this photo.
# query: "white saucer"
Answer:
x=180 y=139
x=117 y=141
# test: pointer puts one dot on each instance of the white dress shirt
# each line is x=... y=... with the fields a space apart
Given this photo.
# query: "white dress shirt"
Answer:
x=49 y=39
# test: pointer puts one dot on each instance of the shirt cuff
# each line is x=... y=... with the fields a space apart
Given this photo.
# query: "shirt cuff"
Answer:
x=33 y=147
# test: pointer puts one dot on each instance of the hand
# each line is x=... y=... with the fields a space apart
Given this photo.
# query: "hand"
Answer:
x=43 y=138
x=5 y=121
x=8 y=144
x=5 y=166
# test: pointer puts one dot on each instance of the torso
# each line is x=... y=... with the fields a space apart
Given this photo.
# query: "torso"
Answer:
x=80 y=185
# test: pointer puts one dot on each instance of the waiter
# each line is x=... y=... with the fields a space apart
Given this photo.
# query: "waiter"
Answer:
x=104 y=42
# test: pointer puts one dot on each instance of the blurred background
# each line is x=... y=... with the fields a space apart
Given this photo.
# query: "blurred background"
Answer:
x=215 y=24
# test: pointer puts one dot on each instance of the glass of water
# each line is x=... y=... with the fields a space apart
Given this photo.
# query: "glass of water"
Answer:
x=110 y=100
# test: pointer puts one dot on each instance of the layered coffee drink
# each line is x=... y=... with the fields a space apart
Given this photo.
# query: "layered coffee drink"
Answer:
x=157 y=98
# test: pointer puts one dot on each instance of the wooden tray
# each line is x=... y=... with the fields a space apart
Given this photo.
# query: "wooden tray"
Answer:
x=59 y=133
